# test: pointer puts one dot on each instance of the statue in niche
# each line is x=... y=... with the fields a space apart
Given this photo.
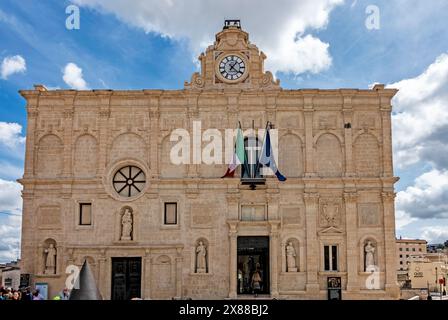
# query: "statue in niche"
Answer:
x=126 y=225
x=330 y=214
x=291 y=258
x=50 y=259
x=201 y=260
x=369 y=250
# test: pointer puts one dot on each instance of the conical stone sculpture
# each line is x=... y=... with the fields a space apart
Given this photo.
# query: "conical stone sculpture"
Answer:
x=87 y=289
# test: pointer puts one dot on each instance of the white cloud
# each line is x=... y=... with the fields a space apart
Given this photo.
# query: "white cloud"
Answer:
x=402 y=219
x=420 y=119
x=10 y=225
x=10 y=171
x=306 y=54
x=10 y=197
x=10 y=137
x=279 y=28
x=11 y=65
x=427 y=198
x=73 y=77
x=435 y=234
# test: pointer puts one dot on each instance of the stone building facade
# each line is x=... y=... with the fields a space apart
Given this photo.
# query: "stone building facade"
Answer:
x=99 y=185
x=408 y=250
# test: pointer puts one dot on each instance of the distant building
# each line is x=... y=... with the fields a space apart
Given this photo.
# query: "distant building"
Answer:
x=409 y=250
x=435 y=248
x=427 y=273
x=10 y=274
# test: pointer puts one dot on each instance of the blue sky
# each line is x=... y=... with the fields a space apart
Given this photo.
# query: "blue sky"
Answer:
x=312 y=44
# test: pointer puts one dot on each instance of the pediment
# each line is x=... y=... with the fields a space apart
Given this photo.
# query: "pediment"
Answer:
x=331 y=230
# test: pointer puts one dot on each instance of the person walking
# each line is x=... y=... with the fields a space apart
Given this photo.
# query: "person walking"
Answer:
x=256 y=282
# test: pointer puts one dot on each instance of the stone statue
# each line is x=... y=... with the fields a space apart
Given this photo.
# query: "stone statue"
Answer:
x=201 y=252
x=50 y=261
x=369 y=250
x=291 y=258
x=126 y=225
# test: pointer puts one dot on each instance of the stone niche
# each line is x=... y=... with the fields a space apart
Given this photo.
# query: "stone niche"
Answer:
x=50 y=156
x=328 y=156
x=85 y=159
x=367 y=155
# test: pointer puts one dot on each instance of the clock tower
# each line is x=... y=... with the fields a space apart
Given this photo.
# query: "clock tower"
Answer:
x=232 y=61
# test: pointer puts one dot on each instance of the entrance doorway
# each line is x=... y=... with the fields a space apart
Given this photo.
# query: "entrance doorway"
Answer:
x=126 y=278
x=253 y=256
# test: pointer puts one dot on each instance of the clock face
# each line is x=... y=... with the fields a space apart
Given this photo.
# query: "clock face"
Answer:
x=232 y=67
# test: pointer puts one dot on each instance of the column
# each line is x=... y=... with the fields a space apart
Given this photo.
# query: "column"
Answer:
x=67 y=125
x=391 y=284
x=40 y=259
x=154 y=131
x=387 y=141
x=179 y=260
x=271 y=106
x=233 y=199
x=104 y=281
x=147 y=274
x=30 y=139
x=348 y=139
x=283 y=249
x=103 y=134
x=309 y=145
x=232 y=110
x=312 y=245
x=272 y=198
x=352 y=241
x=233 y=273
x=274 y=235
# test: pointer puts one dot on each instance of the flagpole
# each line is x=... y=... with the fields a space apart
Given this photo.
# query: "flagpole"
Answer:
x=262 y=147
x=244 y=148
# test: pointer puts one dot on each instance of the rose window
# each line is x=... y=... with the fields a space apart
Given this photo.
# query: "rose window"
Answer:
x=129 y=181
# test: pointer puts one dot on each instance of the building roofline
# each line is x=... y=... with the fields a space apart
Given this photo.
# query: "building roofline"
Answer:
x=41 y=91
x=411 y=240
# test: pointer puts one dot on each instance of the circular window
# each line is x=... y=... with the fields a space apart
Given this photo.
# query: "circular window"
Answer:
x=129 y=181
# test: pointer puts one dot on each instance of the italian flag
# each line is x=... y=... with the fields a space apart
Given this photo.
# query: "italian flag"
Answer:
x=239 y=156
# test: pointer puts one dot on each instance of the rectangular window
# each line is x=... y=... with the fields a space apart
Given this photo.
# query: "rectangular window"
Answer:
x=326 y=258
x=401 y=262
x=420 y=249
x=330 y=258
x=401 y=256
x=401 y=249
x=170 y=213
x=8 y=282
x=407 y=249
x=413 y=249
x=85 y=214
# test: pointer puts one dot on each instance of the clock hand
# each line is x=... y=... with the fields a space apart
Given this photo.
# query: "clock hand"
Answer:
x=233 y=67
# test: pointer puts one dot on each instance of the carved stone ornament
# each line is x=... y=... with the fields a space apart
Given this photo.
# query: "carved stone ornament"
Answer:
x=330 y=215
